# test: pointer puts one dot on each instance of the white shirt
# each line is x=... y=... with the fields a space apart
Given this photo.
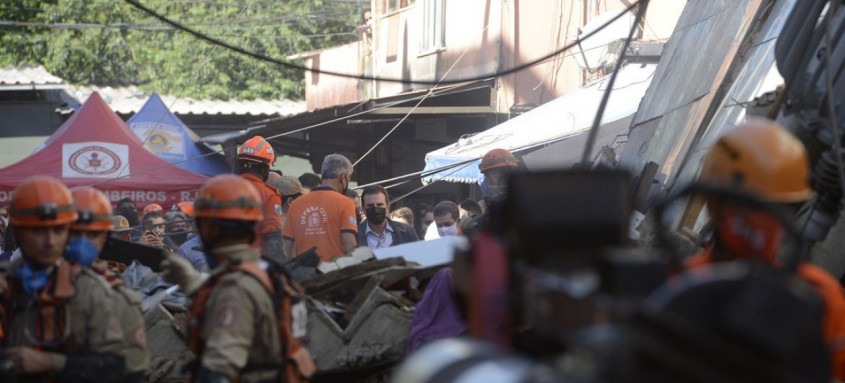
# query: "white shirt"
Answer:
x=375 y=241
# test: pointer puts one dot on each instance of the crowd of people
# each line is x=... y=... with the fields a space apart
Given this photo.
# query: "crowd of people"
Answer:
x=216 y=249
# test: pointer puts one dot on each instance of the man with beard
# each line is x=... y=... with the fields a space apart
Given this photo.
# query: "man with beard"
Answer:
x=378 y=231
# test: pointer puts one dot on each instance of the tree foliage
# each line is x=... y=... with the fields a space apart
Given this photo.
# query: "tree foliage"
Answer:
x=110 y=43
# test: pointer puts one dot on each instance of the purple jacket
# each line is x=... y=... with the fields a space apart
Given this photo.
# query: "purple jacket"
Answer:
x=436 y=315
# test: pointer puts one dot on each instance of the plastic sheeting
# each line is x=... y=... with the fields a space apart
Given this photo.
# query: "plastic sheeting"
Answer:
x=147 y=283
x=555 y=121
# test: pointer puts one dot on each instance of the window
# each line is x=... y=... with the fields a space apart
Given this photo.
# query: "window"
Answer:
x=395 y=5
x=433 y=35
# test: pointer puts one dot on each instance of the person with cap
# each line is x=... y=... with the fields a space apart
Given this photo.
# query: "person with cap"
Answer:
x=129 y=210
x=255 y=157
x=88 y=237
x=324 y=218
x=763 y=160
x=290 y=188
x=120 y=228
x=85 y=344
x=239 y=331
x=496 y=166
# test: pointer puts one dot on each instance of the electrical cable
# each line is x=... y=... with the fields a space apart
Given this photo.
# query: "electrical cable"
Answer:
x=427 y=185
x=262 y=57
x=453 y=82
x=175 y=163
x=410 y=112
x=591 y=137
x=164 y=114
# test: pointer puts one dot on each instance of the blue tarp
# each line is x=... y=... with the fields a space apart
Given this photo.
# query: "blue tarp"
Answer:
x=170 y=139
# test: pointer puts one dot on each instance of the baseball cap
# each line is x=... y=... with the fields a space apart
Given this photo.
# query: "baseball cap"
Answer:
x=288 y=185
x=120 y=223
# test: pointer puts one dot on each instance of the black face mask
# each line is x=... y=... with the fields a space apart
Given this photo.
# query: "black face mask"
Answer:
x=131 y=216
x=345 y=187
x=179 y=236
x=376 y=214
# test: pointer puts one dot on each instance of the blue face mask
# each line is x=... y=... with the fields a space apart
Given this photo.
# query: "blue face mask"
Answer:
x=81 y=251
x=32 y=279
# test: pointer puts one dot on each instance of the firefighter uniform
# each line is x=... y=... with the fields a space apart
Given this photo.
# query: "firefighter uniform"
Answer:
x=94 y=222
x=127 y=305
x=59 y=319
x=239 y=329
x=761 y=159
x=80 y=298
x=247 y=319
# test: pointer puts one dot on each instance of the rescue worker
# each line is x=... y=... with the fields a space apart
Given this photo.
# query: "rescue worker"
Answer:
x=89 y=235
x=245 y=327
x=255 y=157
x=58 y=319
x=496 y=165
x=764 y=160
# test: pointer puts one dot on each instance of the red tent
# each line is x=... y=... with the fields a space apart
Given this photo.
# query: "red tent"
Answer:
x=94 y=147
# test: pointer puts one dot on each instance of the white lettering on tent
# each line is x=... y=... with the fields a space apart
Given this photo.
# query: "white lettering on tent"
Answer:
x=6 y=196
x=95 y=160
x=137 y=195
x=188 y=196
x=166 y=141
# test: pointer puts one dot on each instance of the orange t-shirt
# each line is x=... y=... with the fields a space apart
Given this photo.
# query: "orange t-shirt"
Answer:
x=834 y=306
x=271 y=202
x=318 y=219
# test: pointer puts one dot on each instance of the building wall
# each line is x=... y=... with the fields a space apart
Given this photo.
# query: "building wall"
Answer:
x=479 y=36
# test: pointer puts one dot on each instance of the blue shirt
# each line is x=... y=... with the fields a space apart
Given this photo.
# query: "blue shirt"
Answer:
x=196 y=257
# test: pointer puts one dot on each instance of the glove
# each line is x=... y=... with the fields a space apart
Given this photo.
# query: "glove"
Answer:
x=178 y=271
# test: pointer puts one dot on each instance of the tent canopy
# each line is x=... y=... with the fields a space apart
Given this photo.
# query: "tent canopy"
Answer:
x=94 y=147
x=555 y=122
x=169 y=138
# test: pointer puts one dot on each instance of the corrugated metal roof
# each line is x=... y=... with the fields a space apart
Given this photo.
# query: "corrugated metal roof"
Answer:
x=29 y=77
x=128 y=100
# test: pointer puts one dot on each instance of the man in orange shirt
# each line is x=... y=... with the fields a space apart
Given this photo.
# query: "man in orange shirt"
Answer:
x=255 y=157
x=764 y=160
x=324 y=218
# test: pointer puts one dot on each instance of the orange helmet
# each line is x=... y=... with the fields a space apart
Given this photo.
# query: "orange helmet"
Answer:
x=762 y=158
x=228 y=197
x=42 y=201
x=93 y=208
x=497 y=158
x=257 y=149
x=186 y=207
x=152 y=207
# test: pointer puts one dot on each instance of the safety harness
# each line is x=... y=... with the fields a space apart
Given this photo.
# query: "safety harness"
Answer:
x=50 y=306
x=290 y=312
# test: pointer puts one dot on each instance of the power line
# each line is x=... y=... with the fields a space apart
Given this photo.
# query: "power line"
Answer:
x=405 y=117
x=313 y=126
x=262 y=57
x=591 y=136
